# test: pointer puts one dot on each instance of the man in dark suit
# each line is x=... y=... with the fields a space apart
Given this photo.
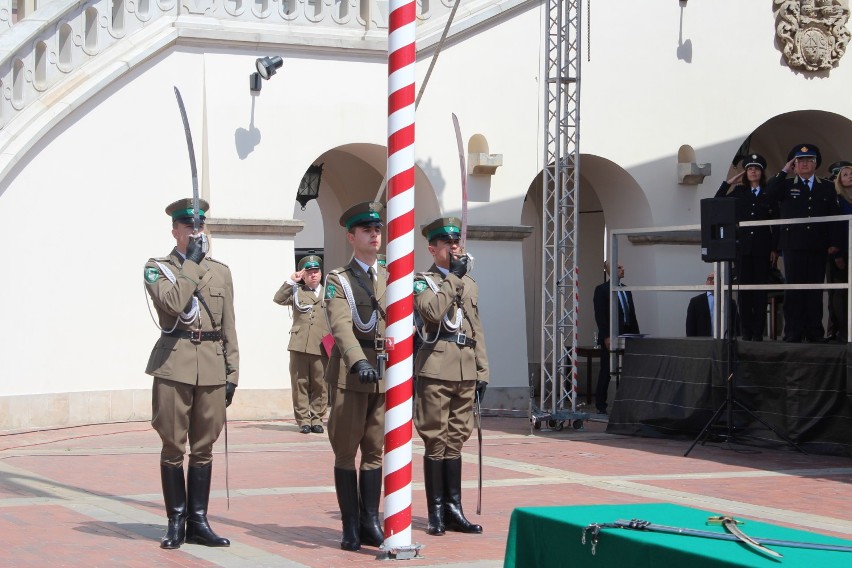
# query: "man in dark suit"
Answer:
x=627 y=323
x=805 y=246
x=699 y=313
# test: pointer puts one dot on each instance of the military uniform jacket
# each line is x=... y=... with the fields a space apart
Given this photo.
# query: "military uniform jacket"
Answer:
x=180 y=359
x=350 y=343
x=442 y=359
x=309 y=322
x=753 y=240
x=796 y=200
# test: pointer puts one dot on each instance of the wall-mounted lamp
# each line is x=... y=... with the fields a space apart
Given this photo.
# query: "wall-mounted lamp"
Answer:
x=255 y=83
x=682 y=3
x=267 y=66
x=309 y=186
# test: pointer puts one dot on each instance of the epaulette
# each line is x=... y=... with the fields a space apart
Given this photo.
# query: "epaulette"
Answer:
x=210 y=258
x=160 y=259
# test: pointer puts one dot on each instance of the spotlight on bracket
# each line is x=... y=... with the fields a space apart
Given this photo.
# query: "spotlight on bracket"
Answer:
x=267 y=66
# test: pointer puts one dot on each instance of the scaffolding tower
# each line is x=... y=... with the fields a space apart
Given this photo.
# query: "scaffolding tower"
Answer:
x=557 y=399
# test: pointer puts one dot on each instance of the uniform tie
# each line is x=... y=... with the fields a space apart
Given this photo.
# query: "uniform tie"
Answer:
x=755 y=191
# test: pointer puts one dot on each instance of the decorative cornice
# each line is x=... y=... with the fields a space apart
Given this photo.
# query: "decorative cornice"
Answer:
x=499 y=232
x=274 y=227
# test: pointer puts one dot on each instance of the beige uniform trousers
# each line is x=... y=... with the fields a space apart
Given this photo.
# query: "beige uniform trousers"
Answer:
x=180 y=412
x=356 y=421
x=443 y=415
x=307 y=381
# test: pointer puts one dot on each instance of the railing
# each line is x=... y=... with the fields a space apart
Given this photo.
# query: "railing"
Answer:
x=720 y=308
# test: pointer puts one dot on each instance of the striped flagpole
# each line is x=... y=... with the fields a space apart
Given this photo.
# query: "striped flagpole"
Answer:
x=400 y=302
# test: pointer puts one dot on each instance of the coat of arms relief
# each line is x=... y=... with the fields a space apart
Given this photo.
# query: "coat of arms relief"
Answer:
x=812 y=33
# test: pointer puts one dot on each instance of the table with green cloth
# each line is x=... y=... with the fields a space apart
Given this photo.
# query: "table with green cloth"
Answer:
x=551 y=537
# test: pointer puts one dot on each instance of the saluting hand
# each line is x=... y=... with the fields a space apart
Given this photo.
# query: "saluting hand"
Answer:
x=736 y=178
x=789 y=166
x=297 y=276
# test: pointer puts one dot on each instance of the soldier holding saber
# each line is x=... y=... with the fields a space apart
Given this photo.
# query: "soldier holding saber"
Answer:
x=451 y=369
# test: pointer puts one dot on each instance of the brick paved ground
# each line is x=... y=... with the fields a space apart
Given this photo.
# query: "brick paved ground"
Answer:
x=90 y=496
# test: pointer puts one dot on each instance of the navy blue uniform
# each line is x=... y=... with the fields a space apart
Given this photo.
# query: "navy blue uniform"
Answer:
x=754 y=245
x=805 y=249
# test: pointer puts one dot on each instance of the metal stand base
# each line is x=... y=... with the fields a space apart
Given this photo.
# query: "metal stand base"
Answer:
x=401 y=552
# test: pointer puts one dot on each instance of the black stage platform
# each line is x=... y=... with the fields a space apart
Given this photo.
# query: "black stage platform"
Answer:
x=672 y=387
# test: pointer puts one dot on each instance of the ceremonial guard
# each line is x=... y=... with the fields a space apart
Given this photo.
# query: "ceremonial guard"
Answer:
x=195 y=368
x=451 y=370
x=354 y=298
x=307 y=359
x=756 y=246
x=805 y=246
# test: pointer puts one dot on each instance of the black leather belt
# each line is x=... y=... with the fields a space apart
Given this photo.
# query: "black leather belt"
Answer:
x=461 y=339
x=195 y=335
x=375 y=344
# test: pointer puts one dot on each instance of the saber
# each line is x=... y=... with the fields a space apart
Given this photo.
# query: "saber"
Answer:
x=196 y=218
x=730 y=525
x=463 y=168
x=593 y=530
x=477 y=416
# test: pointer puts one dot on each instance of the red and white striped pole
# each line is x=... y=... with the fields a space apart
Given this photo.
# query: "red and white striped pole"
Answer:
x=400 y=302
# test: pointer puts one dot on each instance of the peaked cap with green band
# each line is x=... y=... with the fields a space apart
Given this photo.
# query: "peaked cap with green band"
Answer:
x=310 y=261
x=442 y=228
x=365 y=213
x=182 y=208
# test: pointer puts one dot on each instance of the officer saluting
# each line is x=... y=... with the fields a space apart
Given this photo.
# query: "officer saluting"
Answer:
x=805 y=246
x=195 y=368
x=451 y=368
x=307 y=360
x=354 y=298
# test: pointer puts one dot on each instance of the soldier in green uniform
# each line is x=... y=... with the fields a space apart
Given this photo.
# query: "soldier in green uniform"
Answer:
x=194 y=364
x=307 y=359
x=354 y=298
x=451 y=369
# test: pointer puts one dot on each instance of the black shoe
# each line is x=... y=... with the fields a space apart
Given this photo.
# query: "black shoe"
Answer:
x=305 y=429
x=602 y=411
x=317 y=429
x=198 y=529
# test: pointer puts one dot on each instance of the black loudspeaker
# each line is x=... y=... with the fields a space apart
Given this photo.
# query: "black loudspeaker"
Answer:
x=718 y=229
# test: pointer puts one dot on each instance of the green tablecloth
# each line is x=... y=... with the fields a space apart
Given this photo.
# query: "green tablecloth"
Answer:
x=550 y=537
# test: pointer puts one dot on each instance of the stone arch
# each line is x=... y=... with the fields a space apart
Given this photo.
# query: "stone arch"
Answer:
x=609 y=198
x=353 y=173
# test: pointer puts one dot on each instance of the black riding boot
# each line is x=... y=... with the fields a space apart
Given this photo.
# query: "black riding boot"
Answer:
x=433 y=476
x=453 y=514
x=346 y=485
x=370 y=483
x=198 y=530
x=174 y=495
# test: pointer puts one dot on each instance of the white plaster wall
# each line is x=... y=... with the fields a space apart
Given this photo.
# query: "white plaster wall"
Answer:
x=84 y=210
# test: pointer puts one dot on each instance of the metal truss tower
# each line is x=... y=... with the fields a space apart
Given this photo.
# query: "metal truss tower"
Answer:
x=560 y=183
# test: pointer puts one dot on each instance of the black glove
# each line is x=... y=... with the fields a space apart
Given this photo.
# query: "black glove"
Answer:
x=458 y=265
x=366 y=372
x=230 y=389
x=480 y=389
x=194 y=250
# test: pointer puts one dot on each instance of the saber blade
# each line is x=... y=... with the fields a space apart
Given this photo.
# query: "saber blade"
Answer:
x=196 y=216
x=463 y=167
x=477 y=414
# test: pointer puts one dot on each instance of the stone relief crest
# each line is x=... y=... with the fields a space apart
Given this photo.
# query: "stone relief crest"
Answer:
x=812 y=32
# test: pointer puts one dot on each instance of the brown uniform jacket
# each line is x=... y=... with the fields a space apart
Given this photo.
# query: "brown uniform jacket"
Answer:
x=309 y=326
x=180 y=359
x=348 y=347
x=442 y=359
